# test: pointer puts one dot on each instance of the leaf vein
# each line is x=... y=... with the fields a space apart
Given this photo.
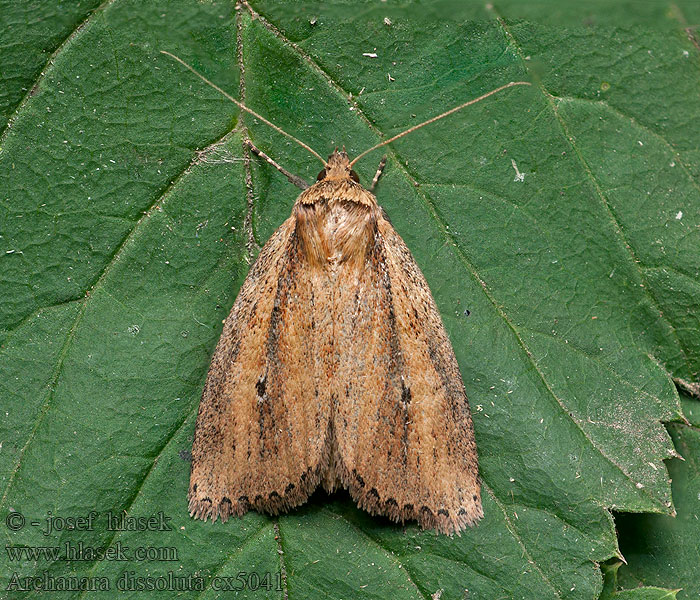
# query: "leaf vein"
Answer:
x=516 y=536
x=238 y=550
x=42 y=71
x=96 y=285
x=617 y=228
x=389 y=554
x=137 y=491
x=645 y=128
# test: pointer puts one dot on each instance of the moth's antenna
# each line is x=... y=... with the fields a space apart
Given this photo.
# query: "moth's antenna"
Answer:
x=438 y=117
x=244 y=107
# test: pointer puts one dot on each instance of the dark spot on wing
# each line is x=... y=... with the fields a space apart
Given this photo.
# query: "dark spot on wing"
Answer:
x=260 y=386
x=358 y=477
x=405 y=393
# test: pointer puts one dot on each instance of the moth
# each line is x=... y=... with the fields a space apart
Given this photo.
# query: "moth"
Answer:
x=334 y=369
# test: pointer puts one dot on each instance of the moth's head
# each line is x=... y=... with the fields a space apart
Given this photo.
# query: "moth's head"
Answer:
x=338 y=167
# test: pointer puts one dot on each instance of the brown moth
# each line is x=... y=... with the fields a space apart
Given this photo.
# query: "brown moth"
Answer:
x=334 y=368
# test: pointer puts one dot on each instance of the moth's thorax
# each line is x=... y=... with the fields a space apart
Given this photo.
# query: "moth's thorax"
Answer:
x=336 y=222
x=344 y=189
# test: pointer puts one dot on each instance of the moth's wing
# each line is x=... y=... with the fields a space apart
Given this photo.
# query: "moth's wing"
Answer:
x=404 y=441
x=261 y=438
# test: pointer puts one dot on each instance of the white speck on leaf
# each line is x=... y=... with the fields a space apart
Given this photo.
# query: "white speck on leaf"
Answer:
x=518 y=175
x=370 y=54
x=679 y=215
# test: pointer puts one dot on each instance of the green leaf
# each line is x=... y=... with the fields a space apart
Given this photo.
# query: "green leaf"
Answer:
x=32 y=33
x=570 y=294
x=663 y=550
x=610 y=591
